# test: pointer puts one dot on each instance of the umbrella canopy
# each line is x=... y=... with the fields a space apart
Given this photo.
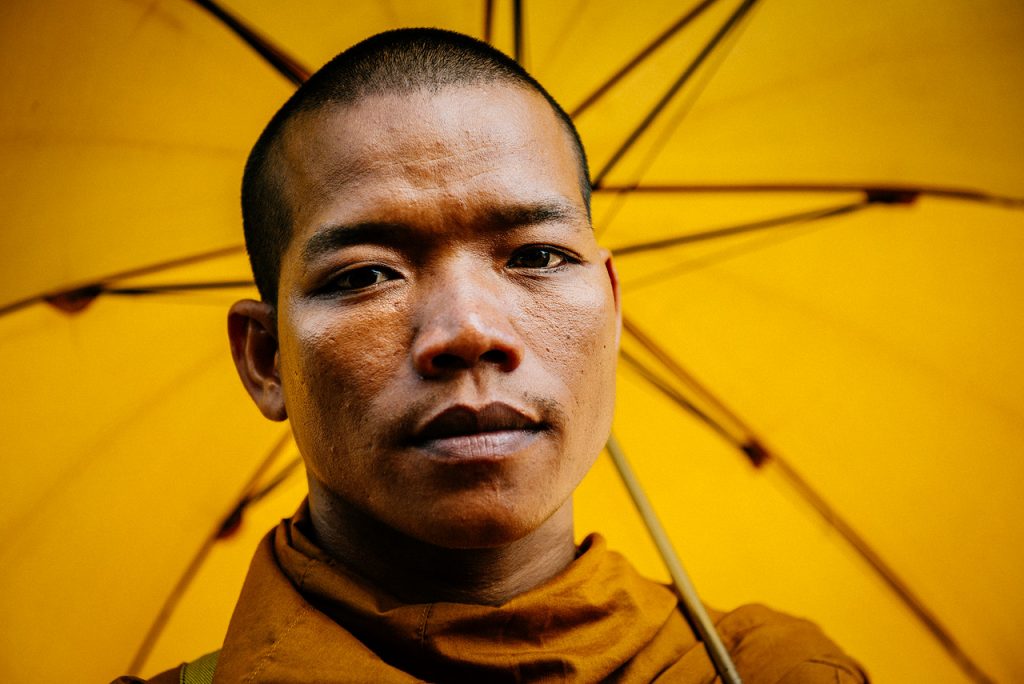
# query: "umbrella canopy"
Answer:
x=875 y=352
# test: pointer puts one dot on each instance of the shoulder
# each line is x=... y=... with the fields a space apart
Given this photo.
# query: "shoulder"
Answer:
x=772 y=647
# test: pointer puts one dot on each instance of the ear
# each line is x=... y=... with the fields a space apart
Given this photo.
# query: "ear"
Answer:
x=613 y=277
x=252 y=330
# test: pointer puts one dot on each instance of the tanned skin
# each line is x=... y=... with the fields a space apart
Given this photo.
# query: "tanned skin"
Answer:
x=444 y=339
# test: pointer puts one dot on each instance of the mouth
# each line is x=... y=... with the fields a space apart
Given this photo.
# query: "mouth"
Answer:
x=490 y=432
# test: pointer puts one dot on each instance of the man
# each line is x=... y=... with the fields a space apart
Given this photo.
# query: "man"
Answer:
x=441 y=328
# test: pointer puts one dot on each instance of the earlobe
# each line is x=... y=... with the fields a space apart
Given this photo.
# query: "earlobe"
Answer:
x=252 y=331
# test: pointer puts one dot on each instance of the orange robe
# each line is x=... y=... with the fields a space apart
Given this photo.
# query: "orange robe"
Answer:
x=303 y=618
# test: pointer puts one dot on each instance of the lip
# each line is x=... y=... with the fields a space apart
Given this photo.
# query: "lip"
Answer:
x=466 y=433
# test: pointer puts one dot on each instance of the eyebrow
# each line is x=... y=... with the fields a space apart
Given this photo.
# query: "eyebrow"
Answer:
x=519 y=215
x=333 y=238
x=497 y=218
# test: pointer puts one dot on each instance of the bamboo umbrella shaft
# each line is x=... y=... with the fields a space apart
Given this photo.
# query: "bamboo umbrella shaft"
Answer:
x=692 y=606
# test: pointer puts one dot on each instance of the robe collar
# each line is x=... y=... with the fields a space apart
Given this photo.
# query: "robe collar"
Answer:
x=304 y=617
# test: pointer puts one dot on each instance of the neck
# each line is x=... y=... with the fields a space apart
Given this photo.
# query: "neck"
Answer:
x=414 y=571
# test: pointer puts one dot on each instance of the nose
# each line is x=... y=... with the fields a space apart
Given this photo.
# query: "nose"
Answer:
x=464 y=323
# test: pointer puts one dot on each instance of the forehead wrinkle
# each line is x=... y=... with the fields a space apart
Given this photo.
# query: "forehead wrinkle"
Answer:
x=442 y=166
x=301 y=169
x=384 y=141
x=448 y=169
x=487 y=211
x=334 y=149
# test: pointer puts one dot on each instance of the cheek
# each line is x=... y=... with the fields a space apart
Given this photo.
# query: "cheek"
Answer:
x=335 y=368
x=578 y=332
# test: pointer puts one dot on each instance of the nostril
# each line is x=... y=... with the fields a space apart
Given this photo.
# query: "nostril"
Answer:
x=495 y=356
x=448 y=362
x=449 y=344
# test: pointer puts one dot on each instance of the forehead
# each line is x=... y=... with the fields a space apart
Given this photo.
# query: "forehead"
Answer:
x=430 y=154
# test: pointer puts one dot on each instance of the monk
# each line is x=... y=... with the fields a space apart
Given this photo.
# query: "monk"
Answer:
x=441 y=328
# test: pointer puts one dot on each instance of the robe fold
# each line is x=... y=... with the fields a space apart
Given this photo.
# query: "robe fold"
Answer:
x=302 y=617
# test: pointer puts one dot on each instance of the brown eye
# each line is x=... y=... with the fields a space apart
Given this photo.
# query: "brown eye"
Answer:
x=360 y=278
x=537 y=257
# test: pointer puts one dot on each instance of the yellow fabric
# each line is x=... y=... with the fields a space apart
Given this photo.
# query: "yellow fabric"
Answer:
x=303 y=618
x=878 y=352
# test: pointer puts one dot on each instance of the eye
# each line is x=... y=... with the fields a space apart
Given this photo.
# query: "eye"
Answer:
x=538 y=257
x=362 y=277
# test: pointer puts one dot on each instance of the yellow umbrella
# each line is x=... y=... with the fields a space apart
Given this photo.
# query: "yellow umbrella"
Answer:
x=875 y=351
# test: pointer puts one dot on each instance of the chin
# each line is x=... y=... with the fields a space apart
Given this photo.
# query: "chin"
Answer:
x=479 y=525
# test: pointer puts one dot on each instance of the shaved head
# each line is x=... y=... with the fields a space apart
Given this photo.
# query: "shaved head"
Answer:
x=397 y=62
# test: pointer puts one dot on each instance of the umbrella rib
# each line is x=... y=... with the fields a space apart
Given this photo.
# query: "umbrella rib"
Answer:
x=688 y=380
x=718 y=233
x=183 y=583
x=676 y=396
x=284 y=63
x=893 y=193
x=488 y=20
x=753 y=447
x=640 y=57
x=275 y=482
x=883 y=570
x=657 y=147
x=177 y=287
x=517 y=30
x=96 y=287
x=683 y=78
x=690 y=602
x=297 y=74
